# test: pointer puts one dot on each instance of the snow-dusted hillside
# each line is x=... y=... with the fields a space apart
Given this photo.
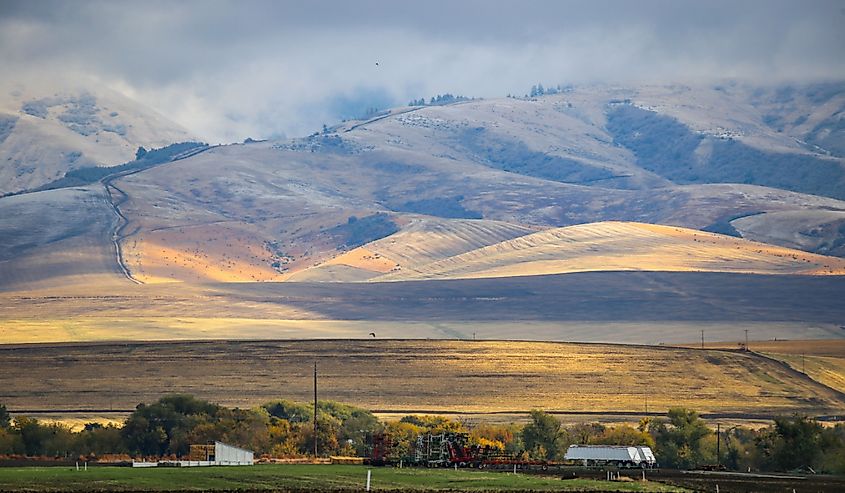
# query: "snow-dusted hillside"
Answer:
x=638 y=137
x=43 y=135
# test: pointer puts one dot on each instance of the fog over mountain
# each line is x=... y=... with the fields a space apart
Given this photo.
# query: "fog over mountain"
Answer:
x=227 y=70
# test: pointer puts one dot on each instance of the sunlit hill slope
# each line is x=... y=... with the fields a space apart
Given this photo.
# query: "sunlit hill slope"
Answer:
x=653 y=207
x=590 y=247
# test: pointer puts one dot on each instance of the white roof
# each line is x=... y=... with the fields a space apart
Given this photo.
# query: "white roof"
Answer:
x=609 y=452
x=232 y=446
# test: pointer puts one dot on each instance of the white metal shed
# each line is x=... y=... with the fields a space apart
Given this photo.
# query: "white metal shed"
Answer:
x=229 y=455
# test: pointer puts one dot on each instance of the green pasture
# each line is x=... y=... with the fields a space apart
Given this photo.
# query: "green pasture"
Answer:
x=293 y=478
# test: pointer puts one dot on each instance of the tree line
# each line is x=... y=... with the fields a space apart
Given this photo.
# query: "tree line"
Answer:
x=439 y=100
x=284 y=428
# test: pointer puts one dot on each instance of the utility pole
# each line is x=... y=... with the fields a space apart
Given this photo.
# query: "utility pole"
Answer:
x=746 y=340
x=702 y=339
x=315 y=409
x=718 y=445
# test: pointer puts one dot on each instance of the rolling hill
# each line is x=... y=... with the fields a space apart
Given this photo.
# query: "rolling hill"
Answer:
x=535 y=163
x=45 y=133
x=58 y=238
x=658 y=191
x=606 y=246
x=421 y=241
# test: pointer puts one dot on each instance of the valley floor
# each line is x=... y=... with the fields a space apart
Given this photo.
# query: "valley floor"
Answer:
x=411 y=376
x=626 y=307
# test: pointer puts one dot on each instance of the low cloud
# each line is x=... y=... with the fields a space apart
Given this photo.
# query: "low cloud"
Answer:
x=228 y=70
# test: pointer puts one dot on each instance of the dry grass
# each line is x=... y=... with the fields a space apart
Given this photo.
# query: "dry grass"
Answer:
x=146 y=327
x=822 y=360
x=439 y=376
x=361 y=258
x=57 y=238
x=827 y=370
x=621 y=246
x=636 y=307
x=834 y=348
x=420 y=241
x=427 y=240
x=217 y=252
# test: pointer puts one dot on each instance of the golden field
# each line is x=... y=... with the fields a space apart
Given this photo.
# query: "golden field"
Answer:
x=626 y=307
x=822 y=360
x=409 y=376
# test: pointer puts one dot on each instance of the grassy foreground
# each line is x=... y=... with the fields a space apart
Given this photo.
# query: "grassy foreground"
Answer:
x=292 y=477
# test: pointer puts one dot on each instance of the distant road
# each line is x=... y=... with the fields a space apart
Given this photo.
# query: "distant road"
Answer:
x=122 y=197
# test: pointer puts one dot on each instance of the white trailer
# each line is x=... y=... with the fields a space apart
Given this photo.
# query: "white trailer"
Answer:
x=648 y=456
x=617 y=455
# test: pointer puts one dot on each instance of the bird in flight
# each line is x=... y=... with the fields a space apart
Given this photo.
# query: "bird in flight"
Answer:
x=373 y=334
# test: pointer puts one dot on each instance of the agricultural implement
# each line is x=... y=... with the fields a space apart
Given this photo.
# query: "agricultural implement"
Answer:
x=449 y=449
x=453 y=449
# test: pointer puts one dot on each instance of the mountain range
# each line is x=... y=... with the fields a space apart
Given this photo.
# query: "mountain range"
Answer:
x=729 y=178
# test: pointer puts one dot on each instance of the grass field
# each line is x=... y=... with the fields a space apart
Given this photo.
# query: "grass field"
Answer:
x=293 y=477
x=827 y=370
x=409 y=375
x=631 y=307
x=821 y=360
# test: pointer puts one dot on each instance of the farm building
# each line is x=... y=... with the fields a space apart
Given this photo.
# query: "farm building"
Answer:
x=221 y=454
x=611 y=454
x=212 y=454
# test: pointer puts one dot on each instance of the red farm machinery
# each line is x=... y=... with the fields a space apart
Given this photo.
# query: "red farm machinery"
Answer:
x=447 y=449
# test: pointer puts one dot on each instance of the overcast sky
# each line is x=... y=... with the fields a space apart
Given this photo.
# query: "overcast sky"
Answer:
x=228 y=70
